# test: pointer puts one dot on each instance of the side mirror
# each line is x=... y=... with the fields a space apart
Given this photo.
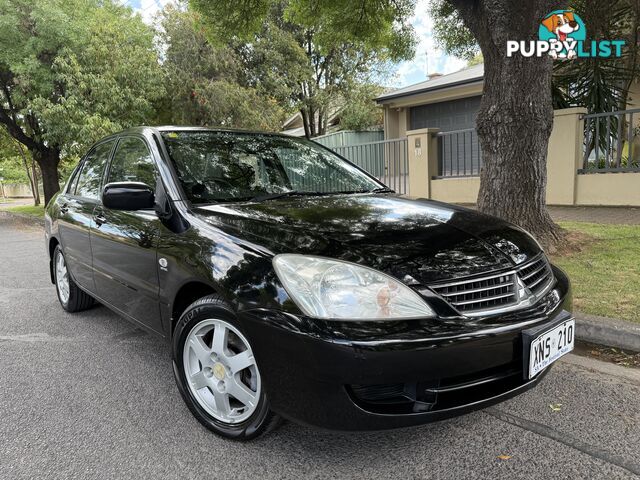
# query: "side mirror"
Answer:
x=127 y=196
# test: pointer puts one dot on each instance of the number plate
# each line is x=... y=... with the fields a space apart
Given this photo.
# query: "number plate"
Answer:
x=550 y=345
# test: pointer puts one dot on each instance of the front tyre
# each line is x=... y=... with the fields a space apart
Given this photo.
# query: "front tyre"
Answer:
x=71 y=297
x=217 y=374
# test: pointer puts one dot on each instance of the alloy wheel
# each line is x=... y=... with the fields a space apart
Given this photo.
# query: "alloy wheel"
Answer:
x=221 y=371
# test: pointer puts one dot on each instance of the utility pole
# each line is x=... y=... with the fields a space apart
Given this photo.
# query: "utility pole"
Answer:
x=426 y=63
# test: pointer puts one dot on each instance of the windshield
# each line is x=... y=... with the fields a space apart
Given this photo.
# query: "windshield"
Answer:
x=229 y=166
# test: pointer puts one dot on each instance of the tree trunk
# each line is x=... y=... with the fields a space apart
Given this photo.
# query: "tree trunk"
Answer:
x=305 y=123
x=36 y=183
x=48 y=160
x=516 y=114
x=311 y=118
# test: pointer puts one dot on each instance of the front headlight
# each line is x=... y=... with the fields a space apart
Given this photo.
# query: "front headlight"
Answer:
x=325 y=288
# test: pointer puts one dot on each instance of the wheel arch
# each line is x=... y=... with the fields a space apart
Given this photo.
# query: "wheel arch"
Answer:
x=53 y=243
x=185 y=296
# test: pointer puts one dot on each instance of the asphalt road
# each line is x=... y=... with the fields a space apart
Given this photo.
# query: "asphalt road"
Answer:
x=89 y=396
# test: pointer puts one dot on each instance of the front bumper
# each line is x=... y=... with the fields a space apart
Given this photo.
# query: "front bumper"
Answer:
x=379 y=375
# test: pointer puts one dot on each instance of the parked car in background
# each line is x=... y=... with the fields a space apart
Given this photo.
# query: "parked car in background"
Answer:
x=292 y=284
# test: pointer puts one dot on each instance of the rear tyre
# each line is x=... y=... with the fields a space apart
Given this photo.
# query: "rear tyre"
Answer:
x=71 y=297
x=217 y=374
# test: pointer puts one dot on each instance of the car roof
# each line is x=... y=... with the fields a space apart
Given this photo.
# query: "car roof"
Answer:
x=187 y=128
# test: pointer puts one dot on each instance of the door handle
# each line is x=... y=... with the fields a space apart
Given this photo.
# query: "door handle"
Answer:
x=99 y=219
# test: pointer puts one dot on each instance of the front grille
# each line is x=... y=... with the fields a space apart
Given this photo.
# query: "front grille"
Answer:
x=499 y=290
x=536 y=275
x=480 y=293
x=387 y=393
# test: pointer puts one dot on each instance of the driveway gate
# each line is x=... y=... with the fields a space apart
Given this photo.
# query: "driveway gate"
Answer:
x=386 y=160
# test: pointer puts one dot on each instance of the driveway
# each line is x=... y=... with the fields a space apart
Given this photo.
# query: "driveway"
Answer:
x=89 y=396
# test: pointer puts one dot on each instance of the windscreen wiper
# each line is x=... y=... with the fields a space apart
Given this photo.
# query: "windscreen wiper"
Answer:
x=382 y=190
x=273 y=196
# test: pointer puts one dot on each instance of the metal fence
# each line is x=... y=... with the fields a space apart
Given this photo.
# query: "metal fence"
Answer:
x=459 y=153
x=349 y=137
x=611 y=142
x=386 y=160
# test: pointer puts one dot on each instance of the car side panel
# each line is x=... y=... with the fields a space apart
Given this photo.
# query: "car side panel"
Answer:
x=124 y=262
x=75 y=220
x=237 y=270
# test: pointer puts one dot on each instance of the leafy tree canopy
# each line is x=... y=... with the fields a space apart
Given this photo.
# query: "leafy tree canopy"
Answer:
x=450 y=32
x=72 y=71
x=308 y=53
x=380 y=25
x=360 y=110
x=207 y=83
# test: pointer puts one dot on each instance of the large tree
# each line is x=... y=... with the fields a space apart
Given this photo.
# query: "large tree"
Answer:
x=72 y=71
x=311 y=51
x=598 y=84
x=516 y=114
x=207 y=81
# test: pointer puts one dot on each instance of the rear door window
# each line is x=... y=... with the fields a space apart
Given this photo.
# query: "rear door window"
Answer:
x=73 y=180
x=90 y=179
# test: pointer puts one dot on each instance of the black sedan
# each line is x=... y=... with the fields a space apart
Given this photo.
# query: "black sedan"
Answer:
x=292 y=284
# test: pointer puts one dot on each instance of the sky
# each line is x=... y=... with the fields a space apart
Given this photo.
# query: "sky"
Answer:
x=428 y=58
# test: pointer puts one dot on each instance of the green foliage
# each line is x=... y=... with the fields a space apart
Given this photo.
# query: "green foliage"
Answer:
x=11 y=168
x=360 y=110
x=477 y=59
x=109 y=84
x=12 y=171
x=275 y=64
x=381 y=25
x=231 y=105
x=207 y=83
x=600 y=84
x=307 y=54
x=72 y=71
x=450 y=32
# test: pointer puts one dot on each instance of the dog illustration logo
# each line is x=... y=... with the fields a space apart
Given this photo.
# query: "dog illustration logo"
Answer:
x=565 y=29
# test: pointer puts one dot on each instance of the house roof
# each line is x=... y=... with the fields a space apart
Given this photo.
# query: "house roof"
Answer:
x=294 y=132
x=293 y=121
x=295 y=126
x=461 y=77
